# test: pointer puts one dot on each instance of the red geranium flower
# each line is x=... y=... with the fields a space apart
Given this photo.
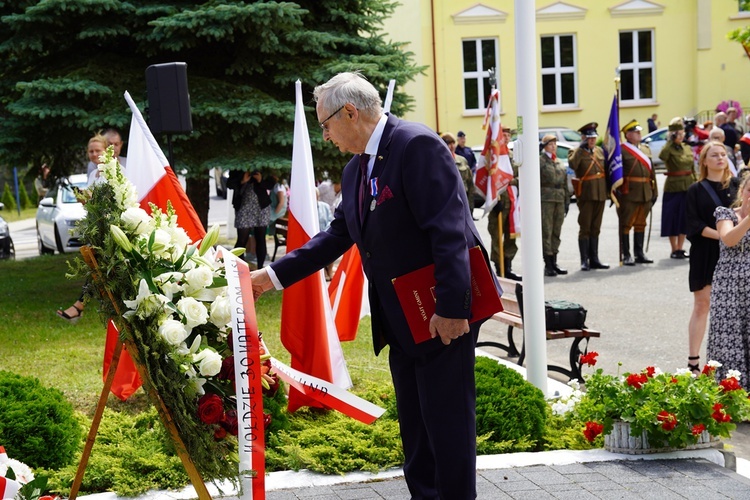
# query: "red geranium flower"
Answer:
x=210 y=409
x=674 y=380
x=636 y=380
x=592 y=430
x=719 y=414
x=589 y=359
x=650 y=370
x=698 y=429
x=708 y=370
x=730 y=384
x=668 y=420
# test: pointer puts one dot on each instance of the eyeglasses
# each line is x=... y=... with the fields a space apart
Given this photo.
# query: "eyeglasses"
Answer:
x=323 y=123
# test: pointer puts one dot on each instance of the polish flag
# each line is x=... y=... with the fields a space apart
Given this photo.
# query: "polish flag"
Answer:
x=346 y=293
x=156 y=183
x=494 y=171
x=8 y=488
x=153 y=178
x=308 y=331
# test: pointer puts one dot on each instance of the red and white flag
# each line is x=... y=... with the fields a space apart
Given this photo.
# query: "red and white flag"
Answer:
x=494 y=171
x=8 y=488
x=346 y=292
x=308 y=330
x=154 y=179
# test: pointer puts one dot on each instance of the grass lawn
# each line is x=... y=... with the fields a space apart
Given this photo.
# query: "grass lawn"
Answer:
x=34 y=341
x=12 y=215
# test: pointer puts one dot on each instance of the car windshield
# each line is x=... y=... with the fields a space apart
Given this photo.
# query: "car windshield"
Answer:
x=571 y=135
x=68 y=196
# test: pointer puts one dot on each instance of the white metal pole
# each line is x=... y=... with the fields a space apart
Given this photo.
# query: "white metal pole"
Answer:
x=534 y=328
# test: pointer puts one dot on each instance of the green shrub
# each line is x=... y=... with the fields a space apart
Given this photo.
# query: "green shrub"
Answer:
x=7 y=199
x=37 y=424
x=23 y=197
x=562 y=433
x=511 y=412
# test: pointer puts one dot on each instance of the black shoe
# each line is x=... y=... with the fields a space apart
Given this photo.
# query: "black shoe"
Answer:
x=509 y=271
x=594 y=255
x=627 y=260
x=583 y=248
x=558 y=269
x=549 y=266
x=694 y=368
x=642 y=259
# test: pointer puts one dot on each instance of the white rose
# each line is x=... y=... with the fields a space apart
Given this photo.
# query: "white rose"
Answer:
x=179 y=237
x=161 y=240
x=173 y=332
x=136 y=219
x=221 y=311
x=195 y=312
x=209 y=362
x=200 y=277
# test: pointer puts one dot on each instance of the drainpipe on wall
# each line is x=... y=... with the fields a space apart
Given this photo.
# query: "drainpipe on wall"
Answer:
x=434 y=65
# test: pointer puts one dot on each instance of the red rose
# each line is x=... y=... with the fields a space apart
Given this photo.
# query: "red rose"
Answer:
x=589 y=359
x=636 y=380
x=220 y=433
x=210 y=409
x=592 y=430
x=230 y=422
x=730 y=384
x=668 y=420
x=698 y=429
x=227 y=369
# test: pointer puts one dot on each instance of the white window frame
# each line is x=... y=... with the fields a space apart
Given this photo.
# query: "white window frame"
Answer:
x=638 y=65
x=558 y=71
x=480 y=74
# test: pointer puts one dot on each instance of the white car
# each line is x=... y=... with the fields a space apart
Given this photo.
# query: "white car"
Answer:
x=656 y=141
x=57 y=216
x=567 y=136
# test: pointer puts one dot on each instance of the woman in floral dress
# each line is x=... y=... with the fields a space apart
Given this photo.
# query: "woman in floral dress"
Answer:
x=729 y=333
x=252 y=206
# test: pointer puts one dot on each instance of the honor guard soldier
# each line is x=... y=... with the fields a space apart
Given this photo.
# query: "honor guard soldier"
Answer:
x=553 y=179
x=502 y=207
x=590 y=186
x=637 y=193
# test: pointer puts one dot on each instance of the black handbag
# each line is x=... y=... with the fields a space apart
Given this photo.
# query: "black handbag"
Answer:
x=564 y=315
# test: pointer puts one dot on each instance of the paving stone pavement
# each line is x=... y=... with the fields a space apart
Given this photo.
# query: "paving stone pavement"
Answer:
x=621 y=479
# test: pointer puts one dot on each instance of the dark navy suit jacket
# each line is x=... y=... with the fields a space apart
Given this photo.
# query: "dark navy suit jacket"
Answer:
x=421 y=217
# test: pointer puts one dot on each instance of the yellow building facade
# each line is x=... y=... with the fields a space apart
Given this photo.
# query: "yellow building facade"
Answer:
x=673 y=58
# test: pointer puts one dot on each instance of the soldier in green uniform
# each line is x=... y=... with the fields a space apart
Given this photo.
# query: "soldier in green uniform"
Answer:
x=587 y=160
x=555 y=200
x=502 y=208
x=462 y=165
x=637 y=193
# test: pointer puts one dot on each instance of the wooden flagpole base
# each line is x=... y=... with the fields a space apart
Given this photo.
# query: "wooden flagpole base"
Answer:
x=164 y=413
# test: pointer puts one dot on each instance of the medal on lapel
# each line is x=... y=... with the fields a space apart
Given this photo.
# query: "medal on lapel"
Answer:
x=374 y=193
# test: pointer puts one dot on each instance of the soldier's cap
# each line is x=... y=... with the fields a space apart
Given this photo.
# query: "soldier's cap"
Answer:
x=676 y=124
x=589 y=130
x=508 y=130
x=461 y=133
x=547 y=139
x=631 y=126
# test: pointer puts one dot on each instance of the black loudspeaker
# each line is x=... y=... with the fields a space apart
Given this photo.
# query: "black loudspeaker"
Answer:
x=168 y=98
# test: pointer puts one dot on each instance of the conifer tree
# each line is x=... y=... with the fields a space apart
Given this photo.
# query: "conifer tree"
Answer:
x=65 y=64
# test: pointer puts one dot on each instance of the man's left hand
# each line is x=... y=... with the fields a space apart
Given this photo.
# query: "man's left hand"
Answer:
x=449 y=329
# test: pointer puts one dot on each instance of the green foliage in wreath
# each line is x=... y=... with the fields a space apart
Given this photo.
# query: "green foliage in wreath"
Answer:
x=37 y=423
x=511 y=412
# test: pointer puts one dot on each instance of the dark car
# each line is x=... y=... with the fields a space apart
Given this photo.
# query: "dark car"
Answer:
x=220 y=178
x=7 y=250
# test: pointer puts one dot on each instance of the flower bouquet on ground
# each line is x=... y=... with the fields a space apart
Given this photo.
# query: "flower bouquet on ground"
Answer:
x=176 y=310
x=663 y=410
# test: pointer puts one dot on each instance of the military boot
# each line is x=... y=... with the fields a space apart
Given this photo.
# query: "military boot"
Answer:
x=549 y=266
x=640 y=257
x=583 y=248
x=594 y=255
x=627 y=259
x=558 y=269
x=509 y=272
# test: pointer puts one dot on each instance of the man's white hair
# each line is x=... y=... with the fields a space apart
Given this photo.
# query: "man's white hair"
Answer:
x=351 y=88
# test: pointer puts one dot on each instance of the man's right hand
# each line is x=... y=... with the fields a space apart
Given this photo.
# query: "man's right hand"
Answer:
x=261 y=282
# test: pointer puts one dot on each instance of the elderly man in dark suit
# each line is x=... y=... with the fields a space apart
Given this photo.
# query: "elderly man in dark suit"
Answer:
x=404 y=207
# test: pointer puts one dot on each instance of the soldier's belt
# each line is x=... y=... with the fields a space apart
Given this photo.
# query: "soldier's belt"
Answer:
x=591 y=177
x=679 y=173
x=638 y=179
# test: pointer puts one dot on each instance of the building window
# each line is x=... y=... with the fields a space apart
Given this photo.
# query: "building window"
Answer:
x=637 y=66
x=480 y=55
x=559 y=73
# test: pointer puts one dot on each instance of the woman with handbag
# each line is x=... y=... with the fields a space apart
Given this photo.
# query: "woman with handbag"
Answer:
x=252 y=206
x=715 y=188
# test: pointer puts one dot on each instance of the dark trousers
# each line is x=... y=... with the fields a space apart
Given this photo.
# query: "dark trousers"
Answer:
x=259 y=233
x=436 y=400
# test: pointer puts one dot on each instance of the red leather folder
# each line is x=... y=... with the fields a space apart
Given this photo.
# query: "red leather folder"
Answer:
x=416 y=292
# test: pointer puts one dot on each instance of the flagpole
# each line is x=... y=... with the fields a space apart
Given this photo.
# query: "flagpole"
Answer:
x=617 y=96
